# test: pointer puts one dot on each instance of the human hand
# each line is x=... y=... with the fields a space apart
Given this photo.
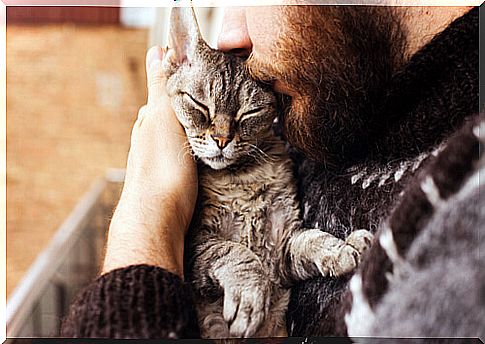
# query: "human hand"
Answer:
x=160 y=190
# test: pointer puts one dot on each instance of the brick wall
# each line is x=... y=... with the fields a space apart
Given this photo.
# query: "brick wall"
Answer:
x=62 y=14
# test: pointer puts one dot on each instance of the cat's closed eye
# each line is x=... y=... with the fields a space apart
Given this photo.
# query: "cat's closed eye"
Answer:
x=253 y=123
x=196 y=110
x=250 y=112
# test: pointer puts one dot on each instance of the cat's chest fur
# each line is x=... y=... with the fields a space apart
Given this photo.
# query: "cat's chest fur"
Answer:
x=253 y=206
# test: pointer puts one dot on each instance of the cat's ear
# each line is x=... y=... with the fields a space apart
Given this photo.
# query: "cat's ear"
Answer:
x=184 y=37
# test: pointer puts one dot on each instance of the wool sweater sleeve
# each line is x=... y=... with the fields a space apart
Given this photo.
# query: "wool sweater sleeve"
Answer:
x=139 y=301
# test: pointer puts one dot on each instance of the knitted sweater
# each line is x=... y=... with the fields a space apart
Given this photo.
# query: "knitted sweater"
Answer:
x=426 y=102
x=136 y=302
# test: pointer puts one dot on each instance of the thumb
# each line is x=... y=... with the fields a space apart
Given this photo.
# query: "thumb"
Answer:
x=155 y=75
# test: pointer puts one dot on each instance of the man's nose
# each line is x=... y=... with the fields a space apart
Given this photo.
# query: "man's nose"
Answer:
x=234 y=36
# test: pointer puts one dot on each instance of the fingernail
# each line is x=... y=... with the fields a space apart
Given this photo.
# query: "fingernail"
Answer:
x=154 y=56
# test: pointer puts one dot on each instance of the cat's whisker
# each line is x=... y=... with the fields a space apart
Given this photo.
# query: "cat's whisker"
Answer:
x=200 y=147
x=198 y=143
x=195 y=137
x=259 y=152
x=264 y=155
x=188 y=148
x=270 y=158
x=183 y=153
x=191 y=155
x=255 y=155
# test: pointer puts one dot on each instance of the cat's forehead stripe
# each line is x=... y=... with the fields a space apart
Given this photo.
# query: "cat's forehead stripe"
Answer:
x=225 y=88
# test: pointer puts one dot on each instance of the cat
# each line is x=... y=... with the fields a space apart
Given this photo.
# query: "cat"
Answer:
x=245 y=246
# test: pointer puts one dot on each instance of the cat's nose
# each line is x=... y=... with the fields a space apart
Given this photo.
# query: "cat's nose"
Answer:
x=221 y=141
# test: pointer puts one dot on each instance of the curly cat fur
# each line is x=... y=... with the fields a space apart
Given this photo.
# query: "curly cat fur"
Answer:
x=246 y=244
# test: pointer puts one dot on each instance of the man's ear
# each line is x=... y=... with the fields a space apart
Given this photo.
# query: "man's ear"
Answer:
x=184 y=36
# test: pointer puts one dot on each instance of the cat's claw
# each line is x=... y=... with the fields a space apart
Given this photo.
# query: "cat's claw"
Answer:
x=245 y=309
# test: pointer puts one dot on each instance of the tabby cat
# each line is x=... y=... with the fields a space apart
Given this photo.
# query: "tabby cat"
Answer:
x=246 y=246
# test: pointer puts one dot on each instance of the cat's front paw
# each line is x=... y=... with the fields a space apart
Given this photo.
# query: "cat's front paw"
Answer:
x=360 y=240
x=351 y=253
x=245 y=307
x=348 y=256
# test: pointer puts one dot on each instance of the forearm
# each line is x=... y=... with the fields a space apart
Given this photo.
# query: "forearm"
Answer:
x=160 y=190
x=148 y=235
x=140 y=293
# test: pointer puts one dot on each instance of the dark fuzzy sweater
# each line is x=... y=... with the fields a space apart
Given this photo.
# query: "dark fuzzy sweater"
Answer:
x=428 y=100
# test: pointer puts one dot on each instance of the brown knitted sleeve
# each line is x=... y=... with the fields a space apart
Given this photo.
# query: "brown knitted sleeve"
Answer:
x=139 y=301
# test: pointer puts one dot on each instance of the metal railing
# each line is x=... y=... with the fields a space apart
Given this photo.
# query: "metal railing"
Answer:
x=69 y=262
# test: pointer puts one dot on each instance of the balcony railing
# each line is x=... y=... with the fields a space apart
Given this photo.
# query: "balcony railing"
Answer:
x=70 y=261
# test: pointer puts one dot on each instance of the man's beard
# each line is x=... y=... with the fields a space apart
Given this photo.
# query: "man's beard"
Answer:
x=338 y=61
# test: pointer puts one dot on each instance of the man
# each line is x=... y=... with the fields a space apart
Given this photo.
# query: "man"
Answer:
x=372 y=98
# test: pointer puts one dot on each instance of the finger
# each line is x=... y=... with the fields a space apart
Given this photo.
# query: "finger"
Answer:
x=155 y=75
